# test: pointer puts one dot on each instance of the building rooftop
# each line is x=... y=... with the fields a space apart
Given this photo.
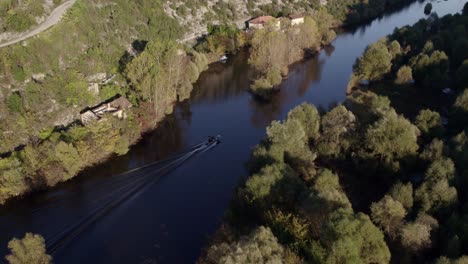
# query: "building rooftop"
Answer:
x=296 y=16
x=261 y=20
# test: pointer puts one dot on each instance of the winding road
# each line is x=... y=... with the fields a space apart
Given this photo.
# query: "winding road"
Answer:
x=53 y=19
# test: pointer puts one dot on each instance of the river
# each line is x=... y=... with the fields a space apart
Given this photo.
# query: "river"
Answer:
x=172 y=216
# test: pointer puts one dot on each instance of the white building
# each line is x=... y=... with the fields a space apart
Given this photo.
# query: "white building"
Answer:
x=296 y=19
x=260 y=22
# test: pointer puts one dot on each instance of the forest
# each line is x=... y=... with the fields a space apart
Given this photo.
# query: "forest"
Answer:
x=380 y=178
x=376 y=179
x=35 y=153
x=45 y=84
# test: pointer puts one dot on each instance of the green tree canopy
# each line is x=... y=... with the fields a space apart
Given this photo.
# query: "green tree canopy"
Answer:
x=309 y=118
x=367 y=106
x=352 y=238
x=388 y=214
x=416 y=235
x=429 y=123
x=374 y=63
x=404 y=75
x=430 y=68
x=392 y=137
x=260 y=246
x=337 y=127
x=403 y=193
x=436 y=193
x=30 y=249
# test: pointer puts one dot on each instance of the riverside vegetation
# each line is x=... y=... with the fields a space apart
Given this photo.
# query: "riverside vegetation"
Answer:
x=372 y=180
x=45 y=82
x=45 y=79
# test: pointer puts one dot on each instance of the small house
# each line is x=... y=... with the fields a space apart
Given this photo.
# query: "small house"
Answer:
x=260 y=22
x=323 y=2
x=296 y=19
x=116 y=107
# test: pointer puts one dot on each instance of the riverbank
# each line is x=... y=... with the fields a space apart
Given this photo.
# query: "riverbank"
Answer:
x=363 y=171
x=201 y=189
x=22 y=103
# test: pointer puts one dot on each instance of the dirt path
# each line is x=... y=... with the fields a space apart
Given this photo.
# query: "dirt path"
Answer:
x=53 y=19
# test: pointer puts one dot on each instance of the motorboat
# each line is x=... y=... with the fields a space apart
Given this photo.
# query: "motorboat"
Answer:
x=214 y=140
x=224 y=58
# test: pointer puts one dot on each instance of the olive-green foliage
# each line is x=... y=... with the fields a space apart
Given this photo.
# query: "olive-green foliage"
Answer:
x=12 y=182
x=460 y=108
x=459 y=147
x=163 y=73
x=368 y=107
x=392 y=137
x=290 y=229
x=289 y=137
x=108 y=91
x=388 y=214
x=394 y=48
x=445 y=260
x=436 y=192
x=272 y=51
x=337 y=127
x=404 y=75
x=434 y=151
x=20 y=15
x=265 y=43
x=430 y=68
x=403 y=193
x=325 y=23
x=262 y=86
x=374 y=63
x=31 y=249
x=309 y=118
x=62 y=155
x=319 y=223
x=15 y=103
x=260 y=246
x=221 y=39
x=352 y=238
x=274 y=184
x=416 y=235
x=69 y=158
x=66 y=60
x=325 y=197
x=430 y=124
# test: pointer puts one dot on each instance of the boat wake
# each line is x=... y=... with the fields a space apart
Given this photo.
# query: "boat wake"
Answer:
x=123 y=187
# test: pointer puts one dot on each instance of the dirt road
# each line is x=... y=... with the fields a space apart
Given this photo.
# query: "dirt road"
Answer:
x=53 y=19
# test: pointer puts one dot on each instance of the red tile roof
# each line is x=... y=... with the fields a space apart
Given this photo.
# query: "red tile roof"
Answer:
x=261 y=20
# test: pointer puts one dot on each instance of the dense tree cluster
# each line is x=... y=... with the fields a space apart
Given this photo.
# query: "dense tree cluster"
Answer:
x=163 y=73
x=273 y=50
x=366 y=182
x=45 y=83
x=62 y=154
x=30 y=249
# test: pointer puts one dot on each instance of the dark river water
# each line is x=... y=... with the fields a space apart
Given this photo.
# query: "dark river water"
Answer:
x=150 y=216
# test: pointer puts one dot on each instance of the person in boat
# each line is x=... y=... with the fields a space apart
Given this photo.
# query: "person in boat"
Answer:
x=213 y=139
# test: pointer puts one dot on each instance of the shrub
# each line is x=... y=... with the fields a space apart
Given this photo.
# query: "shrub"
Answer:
x=30 y=249
x=404 y=75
